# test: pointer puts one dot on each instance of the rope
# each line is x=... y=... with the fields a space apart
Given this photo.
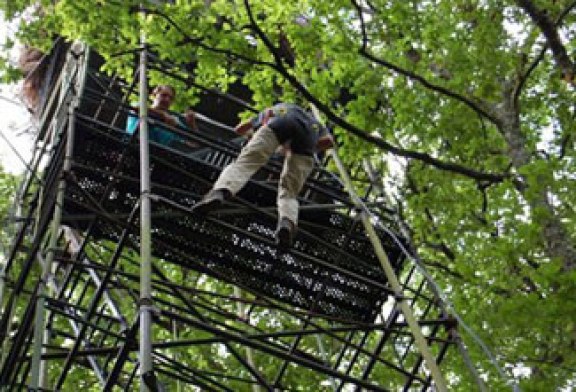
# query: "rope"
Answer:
x=422 y=269
x=6 y=221
x=15 y=151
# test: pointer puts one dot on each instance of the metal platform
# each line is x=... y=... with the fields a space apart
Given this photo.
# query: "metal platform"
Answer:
x=342 y=279
x=232 y=311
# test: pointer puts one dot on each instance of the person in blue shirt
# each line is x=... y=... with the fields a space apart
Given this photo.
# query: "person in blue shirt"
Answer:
x=300 y=135
x=163 y=97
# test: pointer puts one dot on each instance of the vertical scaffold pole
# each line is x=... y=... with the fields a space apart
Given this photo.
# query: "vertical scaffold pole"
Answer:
x=419 y=338
x=3 y=264
x=37 y=368
x=241 y=312
x=146 y=369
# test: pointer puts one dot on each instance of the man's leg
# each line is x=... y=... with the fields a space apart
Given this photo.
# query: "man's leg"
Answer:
x=253 y=156
x=294 y=173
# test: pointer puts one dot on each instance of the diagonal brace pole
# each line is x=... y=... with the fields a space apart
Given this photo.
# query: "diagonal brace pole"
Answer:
x=419 y=338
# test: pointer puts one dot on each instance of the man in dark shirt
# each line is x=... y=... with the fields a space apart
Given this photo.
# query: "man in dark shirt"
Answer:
x=301 y=135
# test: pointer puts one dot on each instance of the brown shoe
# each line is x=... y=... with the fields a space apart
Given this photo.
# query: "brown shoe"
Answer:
x=285 y=233
x=211 y=201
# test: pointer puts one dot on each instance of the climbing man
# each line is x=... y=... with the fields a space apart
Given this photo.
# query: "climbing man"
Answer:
x=301 y=136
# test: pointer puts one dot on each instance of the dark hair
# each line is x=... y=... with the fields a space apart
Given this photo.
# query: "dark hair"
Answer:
x=161 y=86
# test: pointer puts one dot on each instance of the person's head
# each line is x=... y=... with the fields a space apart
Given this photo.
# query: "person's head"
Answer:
x=163 y=97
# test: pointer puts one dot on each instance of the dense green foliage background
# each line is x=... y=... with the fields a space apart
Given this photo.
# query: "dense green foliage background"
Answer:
x=466 y=107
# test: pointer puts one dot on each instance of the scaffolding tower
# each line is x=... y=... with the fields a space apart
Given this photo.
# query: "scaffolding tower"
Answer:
x=231 y=312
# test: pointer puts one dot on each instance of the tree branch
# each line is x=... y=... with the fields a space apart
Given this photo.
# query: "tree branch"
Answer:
x=337 y=120
x=550 y=30
x=522 y=79
x=200 y=42
x=538 y=59
x=445 y=270
x=476 y=104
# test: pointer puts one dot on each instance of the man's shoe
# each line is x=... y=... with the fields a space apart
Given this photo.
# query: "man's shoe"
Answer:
x=285 y=234
x=211 y=201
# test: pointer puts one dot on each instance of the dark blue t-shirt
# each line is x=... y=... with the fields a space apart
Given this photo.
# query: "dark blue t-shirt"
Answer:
x=291 y=123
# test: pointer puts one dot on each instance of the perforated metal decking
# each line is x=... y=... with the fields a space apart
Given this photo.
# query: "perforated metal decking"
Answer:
x=233 y=312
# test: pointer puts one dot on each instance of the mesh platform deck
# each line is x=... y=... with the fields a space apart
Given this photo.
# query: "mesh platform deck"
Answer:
x=343 y=280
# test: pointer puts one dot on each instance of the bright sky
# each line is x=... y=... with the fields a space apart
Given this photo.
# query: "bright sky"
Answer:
x=14 y=120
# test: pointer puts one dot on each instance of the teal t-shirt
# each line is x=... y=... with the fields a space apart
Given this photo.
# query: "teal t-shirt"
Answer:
x=157 y=133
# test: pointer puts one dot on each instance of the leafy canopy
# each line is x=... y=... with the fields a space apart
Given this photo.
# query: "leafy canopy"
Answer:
x=465 y=106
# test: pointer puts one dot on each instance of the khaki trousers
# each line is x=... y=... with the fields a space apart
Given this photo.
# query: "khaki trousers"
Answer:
x=253 y=156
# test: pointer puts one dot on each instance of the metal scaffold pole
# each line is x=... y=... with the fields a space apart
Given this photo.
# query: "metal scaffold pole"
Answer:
x=37 y=369
x=2 y=285
x=412 y=254
x=146 y=368
x=419 y=338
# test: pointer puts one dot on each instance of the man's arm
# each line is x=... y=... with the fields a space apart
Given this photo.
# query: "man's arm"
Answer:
x=247 y=128
x=325 y=140
x=190 y=119
x=164 y=116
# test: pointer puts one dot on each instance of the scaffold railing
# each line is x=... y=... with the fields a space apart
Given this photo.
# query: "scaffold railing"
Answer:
x=231 y=311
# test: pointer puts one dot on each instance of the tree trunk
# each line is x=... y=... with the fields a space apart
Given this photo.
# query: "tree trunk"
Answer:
x=557 y=241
